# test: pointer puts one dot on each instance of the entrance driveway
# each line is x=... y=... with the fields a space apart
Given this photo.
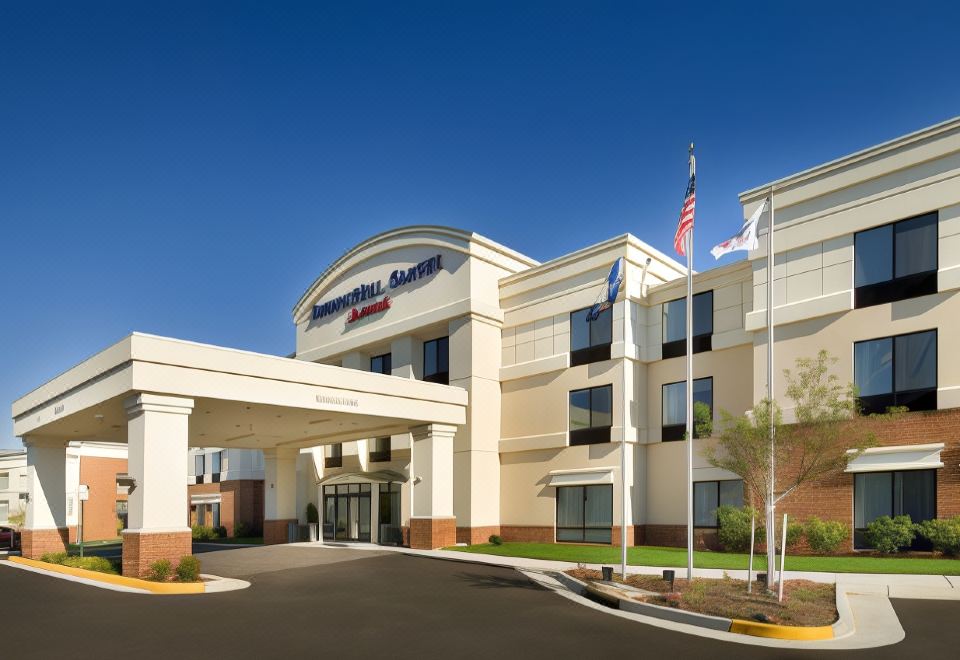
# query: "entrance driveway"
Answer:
x=359 y=604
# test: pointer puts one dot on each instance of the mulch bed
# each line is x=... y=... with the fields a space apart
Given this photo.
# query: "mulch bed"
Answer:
x=805 y=603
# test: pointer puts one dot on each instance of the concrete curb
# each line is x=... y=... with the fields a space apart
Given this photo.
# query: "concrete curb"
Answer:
x=214 y=584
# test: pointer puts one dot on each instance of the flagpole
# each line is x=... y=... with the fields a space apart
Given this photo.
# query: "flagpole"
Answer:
x=689 y=251
x=625 y=401
x=771 y=506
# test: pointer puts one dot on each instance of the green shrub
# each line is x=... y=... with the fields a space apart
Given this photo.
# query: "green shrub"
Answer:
x=495 y=540
x=54 y=557
x=313 y=516
x=889 y=535
x=944 y=534
x=188 y=570
x=240 y=529
x=825 y=536
x=160 y=570
x=220 y=531
x=98 y=564
x=734 y=528
x=203 y=533
x=119 y=526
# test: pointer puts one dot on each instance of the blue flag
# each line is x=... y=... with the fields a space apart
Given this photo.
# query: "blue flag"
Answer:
x=610 y=290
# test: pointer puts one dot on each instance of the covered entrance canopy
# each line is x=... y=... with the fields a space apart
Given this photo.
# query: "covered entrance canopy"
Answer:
x=162 y=395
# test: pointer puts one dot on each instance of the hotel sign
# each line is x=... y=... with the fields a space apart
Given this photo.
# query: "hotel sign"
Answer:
x=398 y=278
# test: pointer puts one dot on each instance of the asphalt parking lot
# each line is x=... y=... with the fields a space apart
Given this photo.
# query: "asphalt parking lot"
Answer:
x=360 y=604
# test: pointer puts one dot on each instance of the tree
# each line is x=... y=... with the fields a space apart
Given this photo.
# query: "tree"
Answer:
x=829 y=431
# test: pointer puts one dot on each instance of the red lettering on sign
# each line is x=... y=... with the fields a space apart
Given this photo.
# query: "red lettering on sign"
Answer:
x=356 y=314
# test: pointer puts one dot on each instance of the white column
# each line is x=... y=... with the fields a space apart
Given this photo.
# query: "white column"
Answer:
x=46 y=483
x=280 y=483
x=157 y=435
x=433 y=448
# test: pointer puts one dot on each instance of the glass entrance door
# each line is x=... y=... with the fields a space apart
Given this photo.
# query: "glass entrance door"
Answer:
x=346 y=510
x=389 y=514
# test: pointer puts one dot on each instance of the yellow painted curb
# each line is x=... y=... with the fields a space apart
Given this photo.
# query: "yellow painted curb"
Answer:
x=757 y=629
x=146 y=585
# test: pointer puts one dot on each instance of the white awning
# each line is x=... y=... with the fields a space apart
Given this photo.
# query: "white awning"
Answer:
x=376 y=477
x=581 y=477
x=206 y=498
x=899 y=457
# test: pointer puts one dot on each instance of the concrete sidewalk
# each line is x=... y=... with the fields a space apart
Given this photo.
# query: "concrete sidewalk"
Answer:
x=937 y=587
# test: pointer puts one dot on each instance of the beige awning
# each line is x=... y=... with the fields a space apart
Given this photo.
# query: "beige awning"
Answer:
x=581 y=477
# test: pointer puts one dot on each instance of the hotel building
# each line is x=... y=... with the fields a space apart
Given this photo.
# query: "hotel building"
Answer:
x=445 y=387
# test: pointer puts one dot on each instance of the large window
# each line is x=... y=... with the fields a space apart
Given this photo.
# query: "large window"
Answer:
x=675 y=325
x=590 y=340
x=4 y=511
x=335 y=458
x=591 y=415
x=216 y=461
x=381 y=450
x=585 y=513
x=708 y=496
x=4 y=480
x=908 y=492
x=896 y=261
x=436 y=360
x=123 y=512
x=897 y=371
x=382 y=364
x=389 y=518
x=198 y=465
x=674 y=416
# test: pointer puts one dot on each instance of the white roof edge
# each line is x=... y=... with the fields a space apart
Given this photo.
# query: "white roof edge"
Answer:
x=896 y=449
x=849 y=159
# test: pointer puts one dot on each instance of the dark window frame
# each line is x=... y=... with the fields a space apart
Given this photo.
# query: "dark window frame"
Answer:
x=674 y=432
x=717 y=482
x=922 y=398
x=442 y=377
x=592 y=435
x=335 y=459
x=386 y=362
x=584 y=527
x=859 y=540
x=896 y=288
x=381 y=455
x=598 y=352
x=678 y=347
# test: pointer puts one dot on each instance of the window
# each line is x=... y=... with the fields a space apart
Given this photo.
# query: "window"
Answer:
x=436 y=361
x=215 y=462
x=4 y=511
x=876 y=494
x=335 y=458
x=382 y=364
x=675 y=325
x=4 y=480
x=122 y=512
x=896 y=261
x=897 y=371
x=215 y=514
x=201 y=515
x=381 y=450
x=674 y=419
x=708 y=496
x=590 y=340
x=591 y=415
x=198 y=465
x=389 y=514
x=585 y=513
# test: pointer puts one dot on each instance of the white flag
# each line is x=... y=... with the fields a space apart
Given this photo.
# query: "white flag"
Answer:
x=745 y=239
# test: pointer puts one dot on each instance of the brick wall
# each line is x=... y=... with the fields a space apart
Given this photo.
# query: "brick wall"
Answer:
x=275 y=531
x=528 y=534
x=241 y=500
x=474 y=535
x=100 y=511
x=431 y=533
x=36 y=542
x=140 y=550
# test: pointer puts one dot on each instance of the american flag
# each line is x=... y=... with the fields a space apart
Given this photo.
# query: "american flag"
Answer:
x=686 y=213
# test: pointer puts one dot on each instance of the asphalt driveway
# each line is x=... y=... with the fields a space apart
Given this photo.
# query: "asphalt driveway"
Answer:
x=359 y=604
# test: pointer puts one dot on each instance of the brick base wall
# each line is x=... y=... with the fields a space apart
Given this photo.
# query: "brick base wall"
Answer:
x=275 y=531
x=36 y=542
x=140 y=549
x=527 y=534
x=475 y=535
x=241 y=500
x=432 y=533
x=631 y=535
x=675 y=536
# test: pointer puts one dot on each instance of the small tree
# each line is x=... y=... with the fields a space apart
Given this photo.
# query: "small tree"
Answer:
x=828 y=432
x=18 y=519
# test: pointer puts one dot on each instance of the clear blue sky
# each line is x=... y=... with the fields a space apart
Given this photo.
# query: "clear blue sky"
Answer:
x=187 y=169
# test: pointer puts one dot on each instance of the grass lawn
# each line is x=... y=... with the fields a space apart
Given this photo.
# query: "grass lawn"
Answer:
x=94 y=545
x=677 y=557
x=232 y=540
